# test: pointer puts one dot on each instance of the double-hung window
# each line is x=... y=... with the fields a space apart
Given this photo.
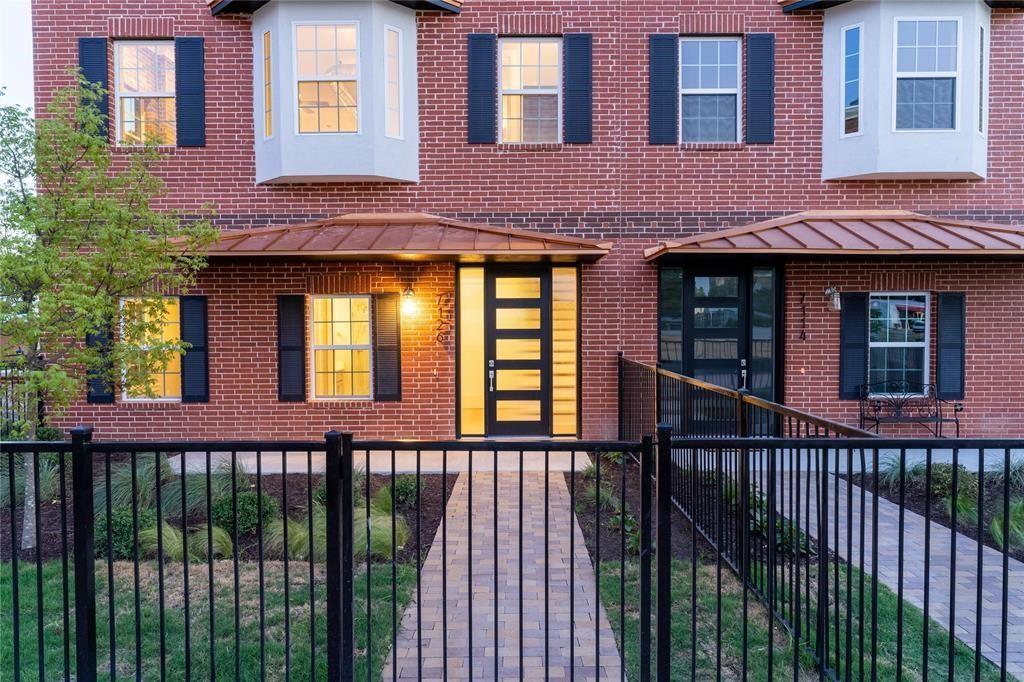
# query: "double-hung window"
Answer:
x=898 y=342
x=926 y=73
x=341 y=347
x=851 y=79
x=327 y=69
x=392 y=82
x=144 y=87
x=162 y=326
x=531 y=85
x=710 y=89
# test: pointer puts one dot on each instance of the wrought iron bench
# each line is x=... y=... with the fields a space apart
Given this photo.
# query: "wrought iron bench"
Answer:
x=902 y=402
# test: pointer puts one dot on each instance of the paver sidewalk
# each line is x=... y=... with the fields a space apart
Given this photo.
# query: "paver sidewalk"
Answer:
x=472 y=587
x=914 y=578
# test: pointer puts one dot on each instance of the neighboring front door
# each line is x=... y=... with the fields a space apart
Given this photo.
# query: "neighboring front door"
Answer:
x=517 y=327
x=715 y=327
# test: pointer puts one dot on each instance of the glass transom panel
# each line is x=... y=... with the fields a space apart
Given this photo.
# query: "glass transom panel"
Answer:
x=517 y=287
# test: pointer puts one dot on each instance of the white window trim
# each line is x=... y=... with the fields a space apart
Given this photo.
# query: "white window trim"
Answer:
x=897 y=74
x=983 y=75
x=502 y=91
x=360 y=102
x=842 y=81
x=125 y=397
x=314 y=348
x=267 y=40
x=926 y=344
x=738 y=90
x=399 y=79
x=118 y=141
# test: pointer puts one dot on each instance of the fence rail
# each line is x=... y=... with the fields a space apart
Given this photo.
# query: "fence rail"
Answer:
x=347 y=559
x=650 y=395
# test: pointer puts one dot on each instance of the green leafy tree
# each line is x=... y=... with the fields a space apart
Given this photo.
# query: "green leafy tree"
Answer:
x=78 y=234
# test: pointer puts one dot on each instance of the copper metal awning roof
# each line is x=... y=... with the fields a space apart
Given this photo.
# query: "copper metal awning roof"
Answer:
x=855 y=233
x=396 y=236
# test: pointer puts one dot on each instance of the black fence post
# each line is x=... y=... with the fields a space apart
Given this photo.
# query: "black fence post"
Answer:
x=340 y=646
x=85 y=553
x=646 y=483
x=622 y=392
x=348 y=631
x=664 y=556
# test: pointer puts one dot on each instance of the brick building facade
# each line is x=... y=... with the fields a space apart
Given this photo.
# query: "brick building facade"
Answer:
x=618 y=189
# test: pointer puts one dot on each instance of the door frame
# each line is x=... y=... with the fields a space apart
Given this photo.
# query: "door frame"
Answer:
x=545 y=265
x=491 y=336
x=745 y=265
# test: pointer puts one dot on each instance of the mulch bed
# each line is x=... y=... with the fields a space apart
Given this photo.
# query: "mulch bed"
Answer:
x=51 y=535
x=611 y=532
x=915 y=500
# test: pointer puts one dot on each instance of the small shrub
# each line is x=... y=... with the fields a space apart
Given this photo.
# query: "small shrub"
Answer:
x=380 y=534
x=603 y=497
x=966 y=509
x=358 y=479
x=382 y=501
x=630 y=527
x=49 y=478
x=613 y=457
x=248 y=512
x=298 y=537
x=405 y=491
x=588 y=472
x=942 y=481
x=1016 y=525
x=150 y=538
x=49 y=433
x=998 y=475
x=122 y=532
x=207 y=537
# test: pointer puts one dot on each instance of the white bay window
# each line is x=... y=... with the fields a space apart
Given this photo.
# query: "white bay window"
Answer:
x=327 y=69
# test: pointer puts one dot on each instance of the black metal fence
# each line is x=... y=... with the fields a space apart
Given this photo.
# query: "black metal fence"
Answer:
x=17 y=406
x=345 y=559
x=869 y=552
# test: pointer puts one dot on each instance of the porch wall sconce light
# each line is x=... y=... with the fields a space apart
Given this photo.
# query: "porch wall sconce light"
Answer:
x=408 y=303
x=833 y=297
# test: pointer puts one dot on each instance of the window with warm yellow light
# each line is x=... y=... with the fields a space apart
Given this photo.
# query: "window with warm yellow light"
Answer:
x=165 y=381
x=471 y=351
x=341 y=347
x=564 y=351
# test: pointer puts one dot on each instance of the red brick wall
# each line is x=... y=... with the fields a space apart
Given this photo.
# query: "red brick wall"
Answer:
x=994 y=395
x=619 y=187
x=243 y=361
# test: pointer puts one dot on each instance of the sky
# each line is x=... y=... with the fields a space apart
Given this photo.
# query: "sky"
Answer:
x=16 y=51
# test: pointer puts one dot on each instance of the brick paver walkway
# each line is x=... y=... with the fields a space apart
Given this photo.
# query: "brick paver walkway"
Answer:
x=966 y=617
x=473 y=550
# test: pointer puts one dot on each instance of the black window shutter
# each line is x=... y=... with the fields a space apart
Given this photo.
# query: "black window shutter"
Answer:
x=190 y=91
x=761 y=88
x=92 y=60
x=949 y=348
x=853 y=344
x=387 y=347
x=663 y=102
x=99 y=388
x=482 y=104
x=291 y=348
x=578 y=88
x=195 y=375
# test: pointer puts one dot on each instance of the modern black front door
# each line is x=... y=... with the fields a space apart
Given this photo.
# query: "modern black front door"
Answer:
x=518 y=350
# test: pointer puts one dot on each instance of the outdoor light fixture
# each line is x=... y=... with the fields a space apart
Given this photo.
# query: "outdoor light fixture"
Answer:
x=833 y=297
x=408 y=304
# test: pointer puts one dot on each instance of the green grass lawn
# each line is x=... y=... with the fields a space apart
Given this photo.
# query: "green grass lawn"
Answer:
x=224 y=621
x=757 y=636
